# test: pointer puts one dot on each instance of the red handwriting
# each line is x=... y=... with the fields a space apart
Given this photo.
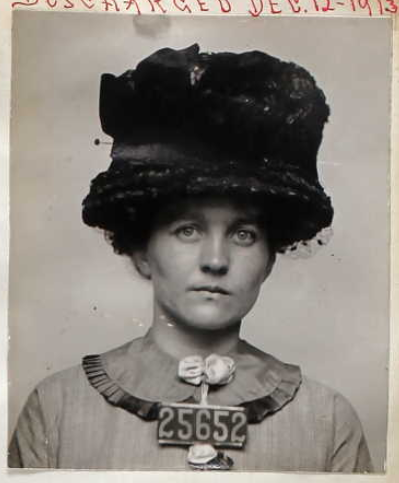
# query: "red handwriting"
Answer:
x=26 y=3
x=182 y=6
x=53 y=3
x=202 y=6
x=158 y=3
x=225 y=6
x=129 y=3
x=316 y=5
x=372 y=7
x=294 y=4
x=328 y=7
x=110 y=5
x=392 y=6
x=255 y=8
x=274 y=7
x=87 y=6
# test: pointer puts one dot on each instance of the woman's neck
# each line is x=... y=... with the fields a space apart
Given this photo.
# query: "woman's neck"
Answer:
x=180 y=340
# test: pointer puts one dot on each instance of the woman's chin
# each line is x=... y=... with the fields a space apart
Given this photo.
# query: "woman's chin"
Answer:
x=210 y=320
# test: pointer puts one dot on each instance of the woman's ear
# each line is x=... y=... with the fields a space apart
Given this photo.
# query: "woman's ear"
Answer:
x=140 y=261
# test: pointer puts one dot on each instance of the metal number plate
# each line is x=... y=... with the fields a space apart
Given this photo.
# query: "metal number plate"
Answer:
x=192 y=423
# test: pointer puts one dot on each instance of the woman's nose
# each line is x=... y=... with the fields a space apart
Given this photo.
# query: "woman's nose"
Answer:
x=215 y=256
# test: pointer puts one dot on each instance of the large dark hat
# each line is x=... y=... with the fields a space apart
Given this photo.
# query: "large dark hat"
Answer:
x=191 y=123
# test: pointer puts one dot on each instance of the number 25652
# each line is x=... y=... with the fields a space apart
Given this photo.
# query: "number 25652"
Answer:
x=191 y=423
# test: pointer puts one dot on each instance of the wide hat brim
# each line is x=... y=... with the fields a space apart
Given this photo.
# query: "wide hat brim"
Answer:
x=297 y=208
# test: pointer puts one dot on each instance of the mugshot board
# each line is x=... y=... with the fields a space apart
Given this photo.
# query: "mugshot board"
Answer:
x=70 y=295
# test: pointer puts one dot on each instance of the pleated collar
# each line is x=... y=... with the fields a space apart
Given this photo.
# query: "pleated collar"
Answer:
x=138 y=377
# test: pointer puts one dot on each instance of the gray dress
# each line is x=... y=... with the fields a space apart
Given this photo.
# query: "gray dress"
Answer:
x=102 y=415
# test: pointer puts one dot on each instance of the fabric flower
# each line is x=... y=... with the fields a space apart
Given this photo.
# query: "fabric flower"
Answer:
x=201 y=453
x=191 y=369
x=204 y=457
x=214 y=370
x=219 y=370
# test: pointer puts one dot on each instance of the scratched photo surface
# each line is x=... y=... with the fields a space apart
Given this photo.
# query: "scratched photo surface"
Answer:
x=70 y=295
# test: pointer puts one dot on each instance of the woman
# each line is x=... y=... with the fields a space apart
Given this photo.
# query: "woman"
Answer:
x=213 y=174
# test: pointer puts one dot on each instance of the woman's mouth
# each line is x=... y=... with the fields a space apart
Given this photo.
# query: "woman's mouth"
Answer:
x=215 y=289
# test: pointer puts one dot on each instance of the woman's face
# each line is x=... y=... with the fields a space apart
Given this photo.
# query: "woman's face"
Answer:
x=207 y=259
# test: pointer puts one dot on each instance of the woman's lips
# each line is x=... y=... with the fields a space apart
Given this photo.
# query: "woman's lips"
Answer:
x=215 y=289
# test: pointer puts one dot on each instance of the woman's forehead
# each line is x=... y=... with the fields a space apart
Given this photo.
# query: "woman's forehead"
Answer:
x=211 y=207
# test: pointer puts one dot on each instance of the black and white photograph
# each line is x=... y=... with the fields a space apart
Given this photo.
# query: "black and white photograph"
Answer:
x=199 y=243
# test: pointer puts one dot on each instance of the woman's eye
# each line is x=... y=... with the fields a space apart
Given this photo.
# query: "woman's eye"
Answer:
x=245 y=237
x=188 y=233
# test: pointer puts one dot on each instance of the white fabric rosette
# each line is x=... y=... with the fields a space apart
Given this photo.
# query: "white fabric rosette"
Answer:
x=214 y=370
x=191 y=370
x=201 y=453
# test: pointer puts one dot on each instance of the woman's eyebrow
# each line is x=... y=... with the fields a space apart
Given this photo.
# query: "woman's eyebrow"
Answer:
x=254 y=219
x=179 y=213
x=189 y=215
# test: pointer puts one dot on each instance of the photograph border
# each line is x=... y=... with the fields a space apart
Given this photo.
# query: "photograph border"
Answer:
x=59 y=475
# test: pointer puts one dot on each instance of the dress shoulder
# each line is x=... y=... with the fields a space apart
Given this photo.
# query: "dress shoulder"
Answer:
x=349 y=450
x=35 y=438
x=62 y=380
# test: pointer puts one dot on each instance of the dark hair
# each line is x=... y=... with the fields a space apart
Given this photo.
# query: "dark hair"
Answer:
x=132 y=233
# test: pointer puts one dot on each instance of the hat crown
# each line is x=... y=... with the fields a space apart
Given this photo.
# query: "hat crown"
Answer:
x=249 y=104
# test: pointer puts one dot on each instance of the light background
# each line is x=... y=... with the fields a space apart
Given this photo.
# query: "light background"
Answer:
x=70 y=295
